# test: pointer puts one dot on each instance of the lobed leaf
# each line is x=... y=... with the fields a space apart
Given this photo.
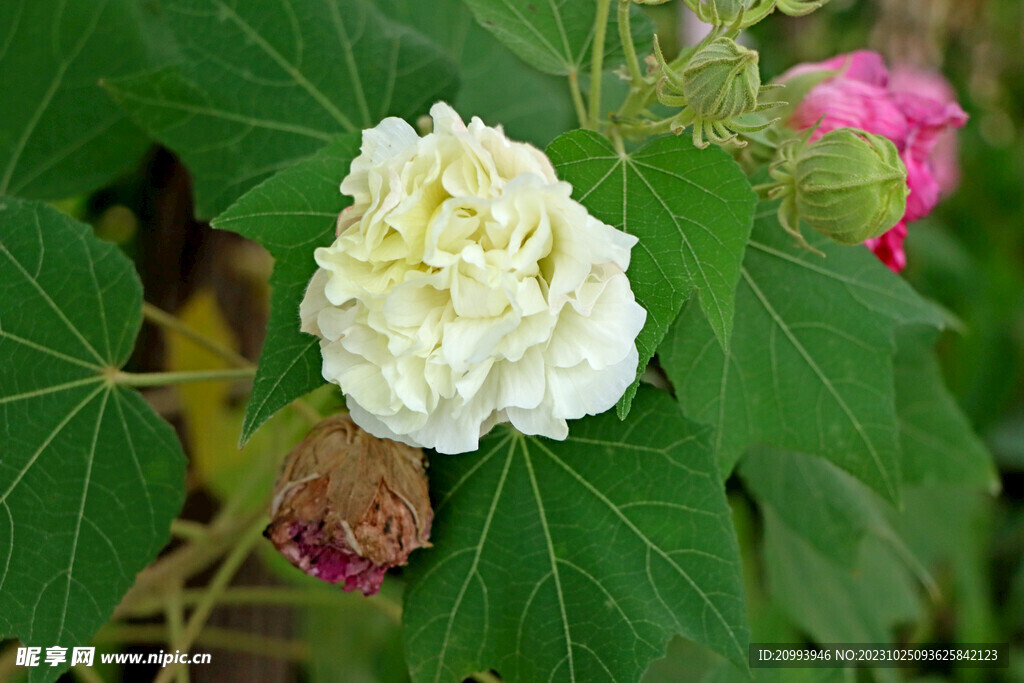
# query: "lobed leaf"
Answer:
x=60 y=134
x=535 y=110
x=291 y=215
x=576 y=560
x=262 y=85
x=939 y=445
x=810 y=368
x=555 y=36
x=692 y=210
x=90 y=476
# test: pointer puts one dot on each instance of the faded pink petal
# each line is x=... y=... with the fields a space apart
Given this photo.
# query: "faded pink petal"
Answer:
x=329 y=558
x=889 y=247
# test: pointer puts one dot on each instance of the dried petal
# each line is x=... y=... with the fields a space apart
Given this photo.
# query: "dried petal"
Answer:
x=348 y=506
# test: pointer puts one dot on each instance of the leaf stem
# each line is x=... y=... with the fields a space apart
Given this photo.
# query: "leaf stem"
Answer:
x=169 y=322
x=155 y=379
x=577 y=99
x=597 y=61
x=636 y=76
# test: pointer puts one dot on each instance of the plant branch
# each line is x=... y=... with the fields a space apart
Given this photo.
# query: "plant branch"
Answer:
x=577 y=99
x=636 y=76
x=156 y=379
x=223 y=576
x=169 y=322
x=597 y=61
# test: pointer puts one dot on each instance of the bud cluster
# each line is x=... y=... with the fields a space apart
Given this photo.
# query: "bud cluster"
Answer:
x=718 y=83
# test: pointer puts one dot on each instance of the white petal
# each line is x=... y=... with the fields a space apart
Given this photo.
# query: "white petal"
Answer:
x=538 y=422
x=581 y=390
x=314 y=301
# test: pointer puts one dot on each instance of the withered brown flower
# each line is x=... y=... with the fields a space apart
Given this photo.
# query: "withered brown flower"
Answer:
x=348 y=506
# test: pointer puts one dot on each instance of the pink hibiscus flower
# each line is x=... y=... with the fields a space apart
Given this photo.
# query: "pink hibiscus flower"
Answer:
x=915 y=109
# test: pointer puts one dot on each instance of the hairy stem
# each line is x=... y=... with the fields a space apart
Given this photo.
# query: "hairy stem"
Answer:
x=156 y=379
x=171 y=323
x=636 y=76
x=577 y=99
x=597 y=61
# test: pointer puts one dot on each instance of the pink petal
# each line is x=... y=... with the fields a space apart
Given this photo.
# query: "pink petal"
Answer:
x=863 y=66
x=889 y=247
x=846 y=103
x=924 y=189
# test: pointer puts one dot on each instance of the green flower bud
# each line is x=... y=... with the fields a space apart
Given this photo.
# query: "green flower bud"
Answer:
x=721 y=81
x=850 y=185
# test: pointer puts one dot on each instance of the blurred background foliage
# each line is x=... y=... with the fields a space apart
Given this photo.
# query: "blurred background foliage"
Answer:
x=947 y=568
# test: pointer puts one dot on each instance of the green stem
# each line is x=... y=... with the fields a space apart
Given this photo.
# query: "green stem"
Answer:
x=169 y=322
x=211 y=637
x=597 y=61
x=225 y=573
x=266 y=595
x=174 y=614
x=188 y=530
x=636 y=76
x=156 y=379
x=577 y=99
x=173 y=324
x=190 y=559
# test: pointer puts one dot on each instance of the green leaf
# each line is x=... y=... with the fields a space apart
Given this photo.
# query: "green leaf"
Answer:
x=555 y=36
x=835 y=604
x=692 y=210
x=939 y=445
x=263 y=85
x=810 y=368
x=830 y=510
x=60 y=134
x=291 y=215
x=576 y=560
x=90 y=477
x=536 y=110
